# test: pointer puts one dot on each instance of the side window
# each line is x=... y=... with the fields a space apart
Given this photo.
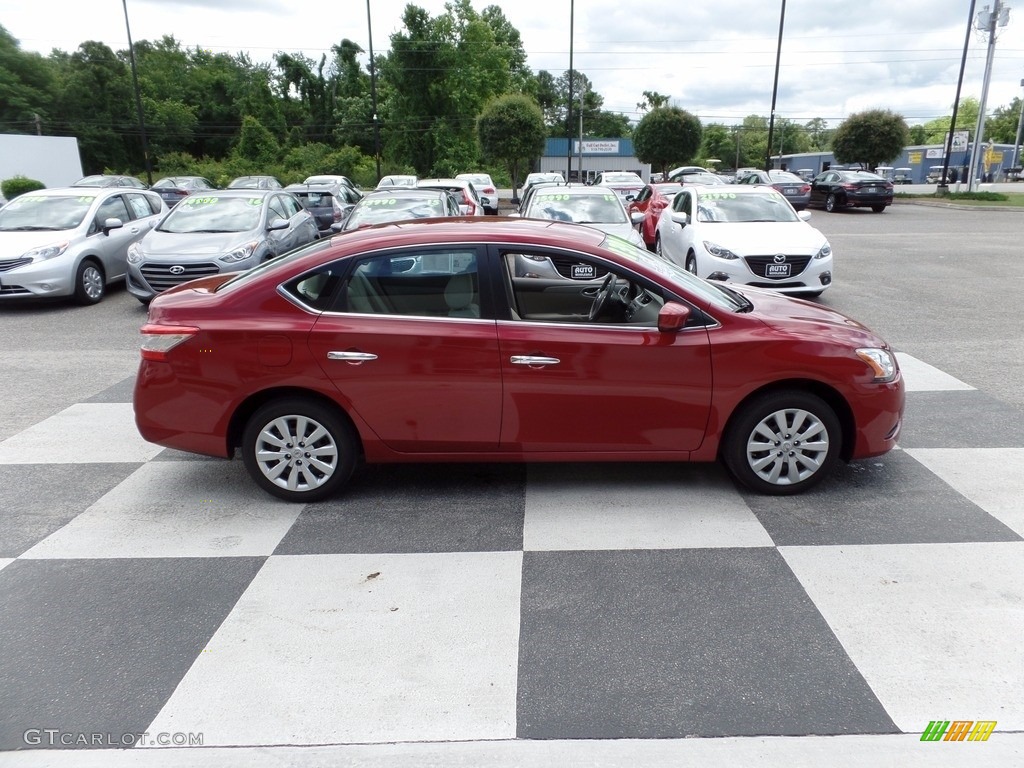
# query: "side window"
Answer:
x=644 y=194
x=112 y=208
x=317 y=289
x=554 y=287
x=424 y=283
x=291 y=205
x=139 y=205
x=682 y=203
x=278 y=209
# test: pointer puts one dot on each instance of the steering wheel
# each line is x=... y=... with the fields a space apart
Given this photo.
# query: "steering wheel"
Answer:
x=603 y=294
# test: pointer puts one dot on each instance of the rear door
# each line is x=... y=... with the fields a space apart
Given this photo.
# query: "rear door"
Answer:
x=408 y=346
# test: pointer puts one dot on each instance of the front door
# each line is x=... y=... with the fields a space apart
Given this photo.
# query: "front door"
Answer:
x=614 y=383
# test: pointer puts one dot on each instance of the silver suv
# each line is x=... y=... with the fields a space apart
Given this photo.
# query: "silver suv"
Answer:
x=72 y=241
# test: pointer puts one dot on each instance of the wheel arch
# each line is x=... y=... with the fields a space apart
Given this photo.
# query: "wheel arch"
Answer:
x=829 y=394
x=244 y=411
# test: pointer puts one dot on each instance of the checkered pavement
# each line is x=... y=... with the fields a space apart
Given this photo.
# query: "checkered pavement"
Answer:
x=494 y=615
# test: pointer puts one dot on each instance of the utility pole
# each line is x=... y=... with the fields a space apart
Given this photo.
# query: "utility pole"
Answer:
x=986 y=21
x=568 y=122
x=943 y=187
x=373 y=92
x=775 y=87
x=1020 y=124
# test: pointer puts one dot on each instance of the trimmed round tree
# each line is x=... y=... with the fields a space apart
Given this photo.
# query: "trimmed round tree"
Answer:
x=667 y=136
x=511 y=131
x=870 y=138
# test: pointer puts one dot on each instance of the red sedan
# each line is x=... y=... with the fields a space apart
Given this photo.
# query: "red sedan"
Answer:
x=418 y=342
x=647 y=206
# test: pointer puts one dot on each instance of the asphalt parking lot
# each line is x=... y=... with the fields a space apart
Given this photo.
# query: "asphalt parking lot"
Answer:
x=485 y=615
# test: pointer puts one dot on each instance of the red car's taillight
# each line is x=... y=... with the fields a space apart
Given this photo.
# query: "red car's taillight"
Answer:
x=338 y=215
x=468 y=200
x=158 y=340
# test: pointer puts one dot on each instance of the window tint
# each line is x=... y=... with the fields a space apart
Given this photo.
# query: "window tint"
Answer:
x=317 y=289
x=425 y=283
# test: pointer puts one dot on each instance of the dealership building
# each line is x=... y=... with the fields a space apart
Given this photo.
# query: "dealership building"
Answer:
x=575 y=160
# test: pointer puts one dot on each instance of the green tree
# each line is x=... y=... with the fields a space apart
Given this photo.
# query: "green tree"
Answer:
x=717 y=143
x=511 y=131
x=666 y=136
x=652 y=100
x=1001 y=127
x=95 y=103
x=439 y=74
x=256 y=144
x=871 y=138
x=818 y=135
x=26 y=87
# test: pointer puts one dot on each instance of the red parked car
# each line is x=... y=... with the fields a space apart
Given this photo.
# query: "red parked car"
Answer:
x=647 y=206
x=417 y=342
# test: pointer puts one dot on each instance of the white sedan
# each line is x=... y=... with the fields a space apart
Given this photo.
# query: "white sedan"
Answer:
x=745 y=235
x=597 y=207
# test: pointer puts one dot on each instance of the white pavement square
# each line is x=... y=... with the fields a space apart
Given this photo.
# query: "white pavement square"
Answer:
x=176 y=509
x=5 y=561
x=918 y=376
x=990 y=477
x=934 y=628
x=85 y=433
x=635 y=507
x=361 y=648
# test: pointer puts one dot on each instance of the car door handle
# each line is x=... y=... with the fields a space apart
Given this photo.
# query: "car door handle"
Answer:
x=134 y=230
x=533 y=360
x=352 y=357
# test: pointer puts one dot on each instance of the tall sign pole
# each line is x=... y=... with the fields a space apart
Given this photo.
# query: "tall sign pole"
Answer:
x=568 y=122
x=986 y=21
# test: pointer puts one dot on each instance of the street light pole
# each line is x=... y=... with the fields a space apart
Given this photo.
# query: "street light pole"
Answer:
x=138 y=98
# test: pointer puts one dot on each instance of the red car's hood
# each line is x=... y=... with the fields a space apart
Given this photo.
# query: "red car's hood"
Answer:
x=800 y=316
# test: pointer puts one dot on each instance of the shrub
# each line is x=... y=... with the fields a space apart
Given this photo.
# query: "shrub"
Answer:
x=19 y=185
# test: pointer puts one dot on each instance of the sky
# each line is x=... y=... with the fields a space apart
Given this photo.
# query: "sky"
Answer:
x=715 y=58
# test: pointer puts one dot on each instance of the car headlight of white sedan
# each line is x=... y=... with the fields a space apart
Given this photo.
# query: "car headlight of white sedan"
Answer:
x=716 y=250
x=824 y=252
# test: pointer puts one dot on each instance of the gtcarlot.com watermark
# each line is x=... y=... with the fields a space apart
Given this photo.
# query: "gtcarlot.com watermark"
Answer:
x=54 y=737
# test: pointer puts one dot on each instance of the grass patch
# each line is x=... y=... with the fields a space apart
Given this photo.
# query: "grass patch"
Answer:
x=1001 y=199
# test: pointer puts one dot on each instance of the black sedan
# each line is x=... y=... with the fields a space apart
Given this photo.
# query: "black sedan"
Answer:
x=835 y=190
x=174 y=189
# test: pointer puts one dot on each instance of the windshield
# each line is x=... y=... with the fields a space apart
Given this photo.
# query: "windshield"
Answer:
x=711 y=292
x=621 y=178
x=38 y=213
x=209 y=213
x=377 y=210
x=730 y=207
x=592 y=208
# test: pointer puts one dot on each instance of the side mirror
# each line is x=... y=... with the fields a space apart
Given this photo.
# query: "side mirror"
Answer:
x=636 y=217
x=277 y=225
x=804 y=215
x=680 y=218
x=110 y=224
x=673 y=317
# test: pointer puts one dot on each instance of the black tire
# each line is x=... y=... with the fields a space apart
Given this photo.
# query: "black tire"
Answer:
x=790 y=463
x=878 y=208
x=293 y=476
x=691 y=263
x=832 y=203
x=90 y=283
